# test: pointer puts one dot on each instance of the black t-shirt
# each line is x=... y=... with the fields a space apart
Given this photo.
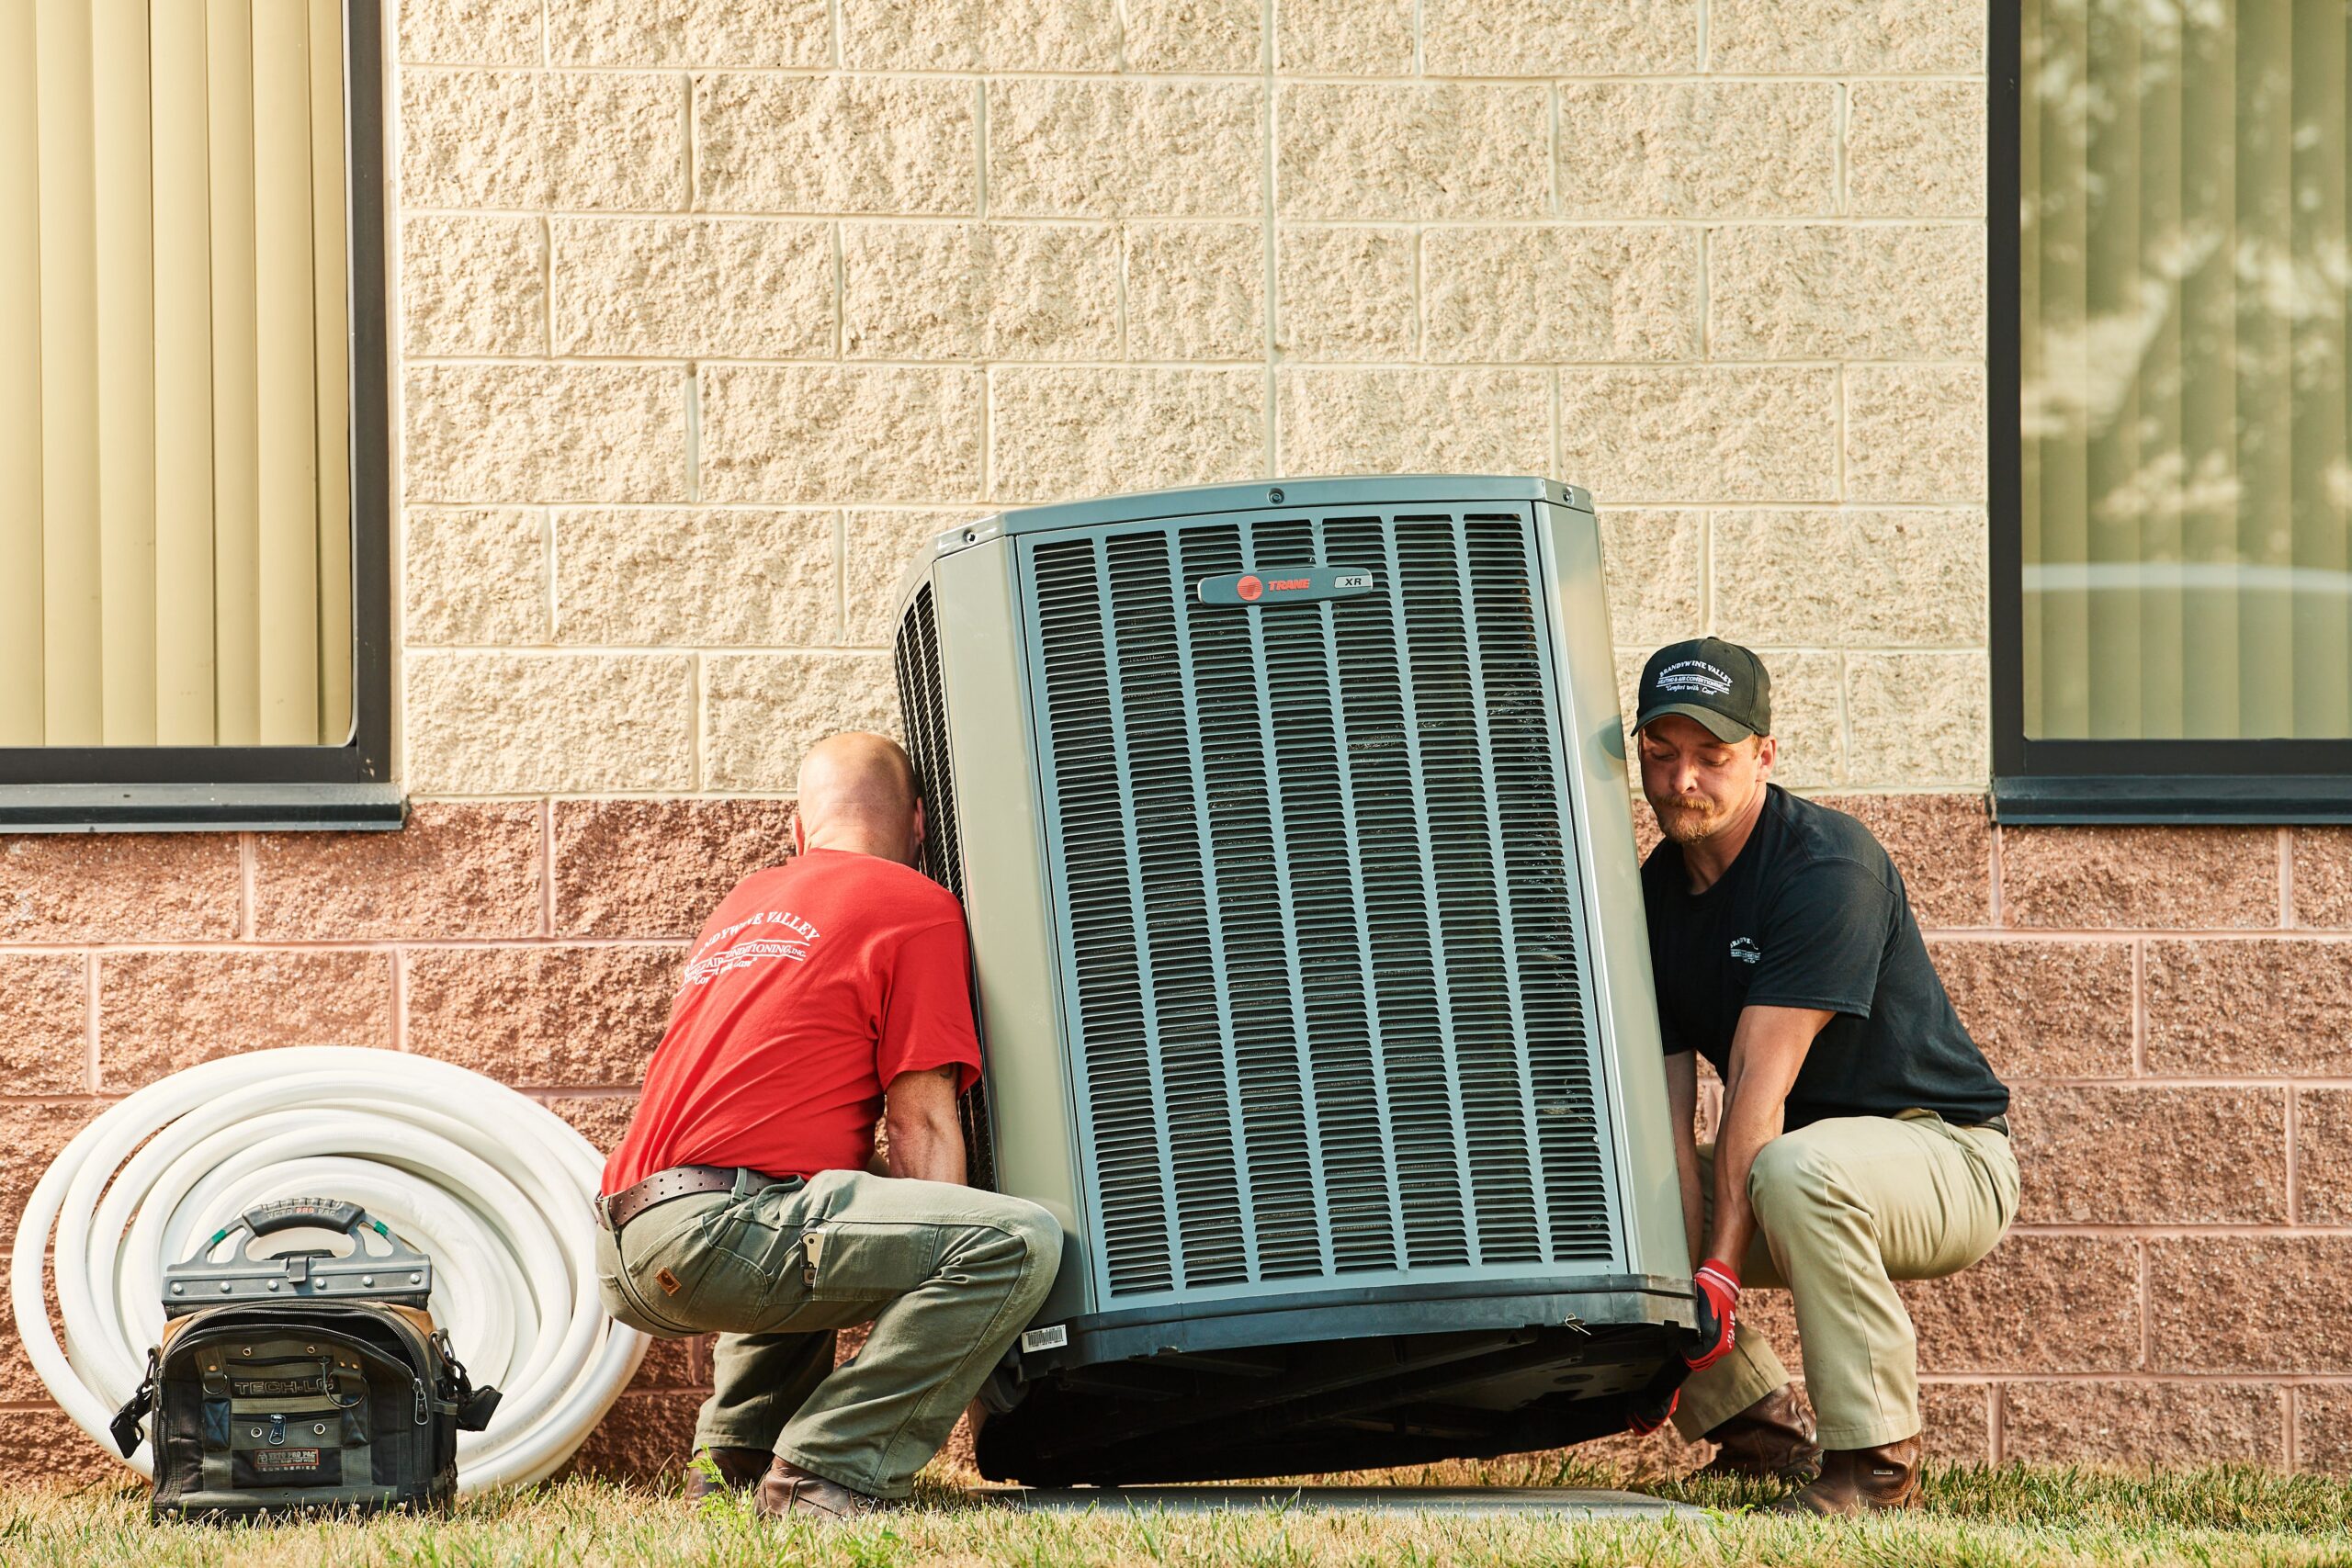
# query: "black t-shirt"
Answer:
x=1812 y=914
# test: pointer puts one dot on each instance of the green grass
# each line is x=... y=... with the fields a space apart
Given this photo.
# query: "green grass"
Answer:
x=1975 y=1518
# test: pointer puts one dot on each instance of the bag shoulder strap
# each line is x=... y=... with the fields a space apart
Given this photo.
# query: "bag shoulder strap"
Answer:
x=124 y=1427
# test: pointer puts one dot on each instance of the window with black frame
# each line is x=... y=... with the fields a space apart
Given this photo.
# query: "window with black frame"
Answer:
x=194 y=615
x=2172 y=506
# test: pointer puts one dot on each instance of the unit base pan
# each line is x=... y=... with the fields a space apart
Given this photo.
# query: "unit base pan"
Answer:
x=1358 y=1311
x=1309 y=1408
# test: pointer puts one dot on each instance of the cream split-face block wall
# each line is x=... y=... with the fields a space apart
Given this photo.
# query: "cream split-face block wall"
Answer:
x=710 y=313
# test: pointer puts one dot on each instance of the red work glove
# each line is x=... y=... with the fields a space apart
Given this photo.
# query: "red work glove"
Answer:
x=1718 y=1284
x=1646 y=1413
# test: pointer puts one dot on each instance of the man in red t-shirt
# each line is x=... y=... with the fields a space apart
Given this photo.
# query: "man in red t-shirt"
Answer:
x=822 y=995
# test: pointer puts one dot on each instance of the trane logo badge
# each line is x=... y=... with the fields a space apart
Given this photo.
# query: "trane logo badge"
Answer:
x=1285 y=585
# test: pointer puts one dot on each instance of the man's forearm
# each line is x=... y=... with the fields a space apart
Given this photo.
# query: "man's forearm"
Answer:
x=919 y=1120
x=928 y=1150
x=1682 y=1106
x=1694 y=1209
x=1767 y=1051
x=1748 y=1126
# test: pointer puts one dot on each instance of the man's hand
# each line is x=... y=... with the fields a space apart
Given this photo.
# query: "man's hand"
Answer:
x=1718 y=1284
x=1645 y=1412
x=919 y=1115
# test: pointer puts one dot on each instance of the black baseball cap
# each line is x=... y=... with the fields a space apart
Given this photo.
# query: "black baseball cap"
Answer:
x=1719 y=684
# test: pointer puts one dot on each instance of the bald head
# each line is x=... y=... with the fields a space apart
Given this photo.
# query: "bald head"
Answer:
x=858 y=792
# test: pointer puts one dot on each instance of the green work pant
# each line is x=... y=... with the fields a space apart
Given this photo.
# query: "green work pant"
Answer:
x=1844 y=1208
x=947 y=1275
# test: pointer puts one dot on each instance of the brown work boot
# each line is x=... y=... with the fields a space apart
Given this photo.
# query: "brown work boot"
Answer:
x=1769 y=1441
x=738 y=1467
x=1855 y=1481
x=787 y=1489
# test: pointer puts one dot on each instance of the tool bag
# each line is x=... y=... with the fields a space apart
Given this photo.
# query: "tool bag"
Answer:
x=304 y=1380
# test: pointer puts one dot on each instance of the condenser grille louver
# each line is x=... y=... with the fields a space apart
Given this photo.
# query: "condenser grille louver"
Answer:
x=923 y=701
x=924 y=704
x=1317 y=1037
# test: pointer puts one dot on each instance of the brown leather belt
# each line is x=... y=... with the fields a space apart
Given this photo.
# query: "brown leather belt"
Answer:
x=617 y=1209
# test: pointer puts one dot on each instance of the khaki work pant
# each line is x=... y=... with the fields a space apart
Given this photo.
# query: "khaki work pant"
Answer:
x=947 y=1275
x=1845 y=1208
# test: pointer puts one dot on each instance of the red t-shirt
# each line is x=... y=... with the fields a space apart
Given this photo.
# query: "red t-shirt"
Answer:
x=812 y=986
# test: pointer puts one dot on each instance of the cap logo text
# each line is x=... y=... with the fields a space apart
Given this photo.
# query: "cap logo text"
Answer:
x=1694 y=675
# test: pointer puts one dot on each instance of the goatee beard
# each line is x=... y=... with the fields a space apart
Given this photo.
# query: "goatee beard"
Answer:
x=1686 y=825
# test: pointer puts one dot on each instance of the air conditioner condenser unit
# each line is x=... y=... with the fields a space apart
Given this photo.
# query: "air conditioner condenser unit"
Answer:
x=1292 y=825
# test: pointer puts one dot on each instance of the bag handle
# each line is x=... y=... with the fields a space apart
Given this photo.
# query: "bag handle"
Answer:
x=317 y=1213
x=397 y=1272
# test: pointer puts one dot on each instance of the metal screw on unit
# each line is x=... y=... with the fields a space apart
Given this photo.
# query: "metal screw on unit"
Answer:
x=224 y=1287
x=254 y=1432
x=1276 y=496
x=319 y=1429
x=245 y=1350
x=366 y=1278
x=273 y=1285
x=971 y=535
x=416 y=1278
x=179 y=1290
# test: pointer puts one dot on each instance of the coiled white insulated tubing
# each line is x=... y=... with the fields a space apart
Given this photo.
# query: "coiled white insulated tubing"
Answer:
x=495 y=1187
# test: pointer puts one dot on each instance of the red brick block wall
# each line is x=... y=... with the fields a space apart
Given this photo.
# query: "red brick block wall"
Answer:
x=2169 y=1006
x=536 y=942
x=2173 y=1007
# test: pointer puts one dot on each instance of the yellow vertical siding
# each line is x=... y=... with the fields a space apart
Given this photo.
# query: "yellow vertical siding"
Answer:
x=236 y=475
x=175 y=510
x=21 y=620
x=330 y=294
x=126 y=383
x=186 y=666
x=284 y=370
x=70 y=644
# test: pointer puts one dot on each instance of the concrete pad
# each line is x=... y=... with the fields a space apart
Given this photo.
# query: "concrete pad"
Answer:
x=1458 y=1501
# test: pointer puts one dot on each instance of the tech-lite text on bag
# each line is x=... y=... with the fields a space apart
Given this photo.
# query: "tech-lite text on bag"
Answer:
x=304 y=1380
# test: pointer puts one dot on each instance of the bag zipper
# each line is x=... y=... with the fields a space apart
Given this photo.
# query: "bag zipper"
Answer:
x=421 y=1353
x=220 y=1322
x=354 y=1342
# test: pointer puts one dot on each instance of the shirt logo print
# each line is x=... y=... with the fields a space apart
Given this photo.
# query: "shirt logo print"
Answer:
x=703 y=971
x=1746 y=951
x=721 y=954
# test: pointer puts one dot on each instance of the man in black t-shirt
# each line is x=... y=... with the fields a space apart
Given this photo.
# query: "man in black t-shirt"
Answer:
x=1862 y=1138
